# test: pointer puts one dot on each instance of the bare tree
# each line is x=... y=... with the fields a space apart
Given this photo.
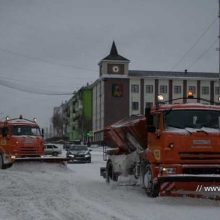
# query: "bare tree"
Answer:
x=57 y=121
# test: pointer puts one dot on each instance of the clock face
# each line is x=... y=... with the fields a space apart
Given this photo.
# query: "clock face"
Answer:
x=115 y=69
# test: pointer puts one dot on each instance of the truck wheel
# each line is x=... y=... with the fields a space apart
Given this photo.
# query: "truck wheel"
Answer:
x=110 y=175
x=2 y=165
x=1 y=162
x=152 y=189
x=9 y=165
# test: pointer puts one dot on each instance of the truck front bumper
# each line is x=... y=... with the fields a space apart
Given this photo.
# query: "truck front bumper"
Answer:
x=188 y=178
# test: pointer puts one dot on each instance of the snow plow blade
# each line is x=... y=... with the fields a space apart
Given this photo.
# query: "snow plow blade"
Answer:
x=198 y=186
x=62 y=160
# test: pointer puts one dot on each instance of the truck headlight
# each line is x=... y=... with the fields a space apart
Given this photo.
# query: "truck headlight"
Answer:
x=169 y=170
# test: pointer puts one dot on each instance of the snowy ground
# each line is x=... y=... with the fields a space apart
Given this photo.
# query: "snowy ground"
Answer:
x=49 y=191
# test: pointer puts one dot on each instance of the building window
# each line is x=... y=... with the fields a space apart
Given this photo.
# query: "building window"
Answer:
x=163 y=88
x=205 y=90
x=217 y=90
x=117 y=90
x=177 y=89
x=149 y=88
x=135 y=88
x=135 y=106
x=192 y=89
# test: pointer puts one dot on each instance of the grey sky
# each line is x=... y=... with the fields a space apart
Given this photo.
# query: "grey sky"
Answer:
x=55 y=45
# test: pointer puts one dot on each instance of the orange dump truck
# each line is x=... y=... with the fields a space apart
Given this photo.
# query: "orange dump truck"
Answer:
x=174 y=148
x=22 y=140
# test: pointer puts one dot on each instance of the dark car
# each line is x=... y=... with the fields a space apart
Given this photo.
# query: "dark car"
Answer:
x=78 y=153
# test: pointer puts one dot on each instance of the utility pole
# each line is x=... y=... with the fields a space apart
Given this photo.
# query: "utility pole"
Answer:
x=219 y=49
x=219 y=43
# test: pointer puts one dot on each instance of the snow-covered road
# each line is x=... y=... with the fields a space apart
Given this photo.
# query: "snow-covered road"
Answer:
x=49 y=191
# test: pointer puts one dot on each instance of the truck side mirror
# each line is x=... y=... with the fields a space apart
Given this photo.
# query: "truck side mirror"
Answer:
x=4 y=131
x=147 y=112
x=150 y=124
x=150 y=120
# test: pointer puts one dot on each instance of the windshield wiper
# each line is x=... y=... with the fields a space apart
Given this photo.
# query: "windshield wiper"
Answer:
x=202 y=130
x=188 y=130
x=180 y=128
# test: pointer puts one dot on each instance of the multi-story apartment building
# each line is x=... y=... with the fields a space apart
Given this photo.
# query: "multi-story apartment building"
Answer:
x=80 y=114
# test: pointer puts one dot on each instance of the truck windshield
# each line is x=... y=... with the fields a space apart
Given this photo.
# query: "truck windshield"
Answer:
x=26 y=130
x=192 y=119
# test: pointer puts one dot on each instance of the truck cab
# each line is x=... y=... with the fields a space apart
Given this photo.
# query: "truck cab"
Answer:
x=183 y=146
x=21 y=138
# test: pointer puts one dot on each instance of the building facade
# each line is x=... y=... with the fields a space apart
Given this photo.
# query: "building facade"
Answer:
x=80 y=115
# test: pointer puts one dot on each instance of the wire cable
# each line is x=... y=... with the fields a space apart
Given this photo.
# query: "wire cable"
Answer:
x=45 y=61
x=43 y=77
x=206 y=51
x=196 y=42
x=31 y=90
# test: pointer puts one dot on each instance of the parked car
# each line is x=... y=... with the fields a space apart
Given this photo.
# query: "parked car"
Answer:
x=78 y=153
x=52 y=149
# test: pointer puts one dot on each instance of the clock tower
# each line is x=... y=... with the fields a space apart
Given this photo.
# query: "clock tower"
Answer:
x=113 y=64
x=110 y=92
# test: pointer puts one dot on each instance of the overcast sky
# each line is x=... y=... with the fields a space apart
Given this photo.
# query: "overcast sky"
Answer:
x=54 y=46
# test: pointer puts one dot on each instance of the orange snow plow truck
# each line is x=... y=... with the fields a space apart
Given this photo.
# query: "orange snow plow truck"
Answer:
x=22 y=140
x=174 y=148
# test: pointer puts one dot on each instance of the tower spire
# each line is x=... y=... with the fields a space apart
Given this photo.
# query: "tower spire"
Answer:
x=114 y=51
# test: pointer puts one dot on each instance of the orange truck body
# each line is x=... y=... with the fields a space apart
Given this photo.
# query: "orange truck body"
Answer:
x=23 y=138
x=176 y=147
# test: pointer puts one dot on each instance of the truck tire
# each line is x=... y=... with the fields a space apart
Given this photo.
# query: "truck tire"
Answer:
x=110 y=175
x=152 y=189
x=9 y=165
x=2 y=165
x=1 y=161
